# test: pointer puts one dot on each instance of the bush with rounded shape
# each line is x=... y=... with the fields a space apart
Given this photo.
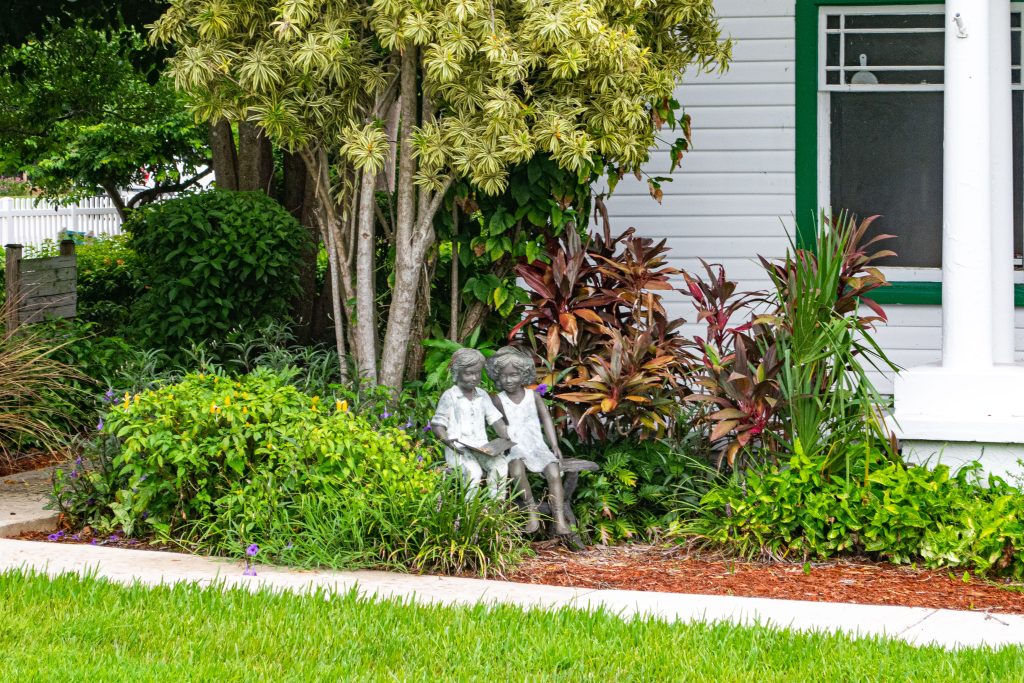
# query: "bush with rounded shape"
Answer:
x=213 y=261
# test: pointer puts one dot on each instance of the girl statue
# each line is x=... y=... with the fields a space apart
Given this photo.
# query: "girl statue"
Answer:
x=525 y=412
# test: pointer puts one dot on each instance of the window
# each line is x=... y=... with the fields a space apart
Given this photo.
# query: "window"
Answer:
x=869 y=125
x=881 y=83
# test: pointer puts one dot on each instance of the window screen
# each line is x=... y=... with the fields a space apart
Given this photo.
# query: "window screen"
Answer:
x=887 y=159
x=883 y=75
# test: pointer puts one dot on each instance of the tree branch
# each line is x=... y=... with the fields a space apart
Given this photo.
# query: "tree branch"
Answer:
x=147 y=196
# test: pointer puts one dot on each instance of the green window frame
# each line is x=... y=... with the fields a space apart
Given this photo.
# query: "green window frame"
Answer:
x=806 y=121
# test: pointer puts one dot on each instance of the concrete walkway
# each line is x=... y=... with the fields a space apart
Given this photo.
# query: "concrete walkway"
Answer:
x=22 y=497
x=915 y=625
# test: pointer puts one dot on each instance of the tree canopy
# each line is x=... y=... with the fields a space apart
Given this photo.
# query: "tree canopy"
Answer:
x=81 y=116
x=416 y=94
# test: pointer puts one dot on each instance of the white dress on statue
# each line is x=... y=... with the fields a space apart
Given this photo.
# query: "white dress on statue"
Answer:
x=524 y=429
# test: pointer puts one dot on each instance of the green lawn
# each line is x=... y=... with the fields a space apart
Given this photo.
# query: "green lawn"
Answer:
x=75 y=629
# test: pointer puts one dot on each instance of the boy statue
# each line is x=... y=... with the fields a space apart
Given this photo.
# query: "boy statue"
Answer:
x=461 y=421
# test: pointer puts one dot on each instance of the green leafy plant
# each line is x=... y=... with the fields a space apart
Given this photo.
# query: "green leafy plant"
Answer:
x=878 y=507
x=218 y=462
x=643 y=490
x=792 y=372
x=213 y=262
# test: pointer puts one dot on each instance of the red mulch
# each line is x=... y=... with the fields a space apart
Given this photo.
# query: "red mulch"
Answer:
x=29 y=461
x=647 y=568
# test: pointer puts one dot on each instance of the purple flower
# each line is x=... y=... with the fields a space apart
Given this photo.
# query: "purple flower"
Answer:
x=542 y=389
x=74 y=474
x=78 y=461
x=93 y=542
x=109 y=396
x=407 y=424
x=419 y=458
x=289 y=546
x=113 y=538
x=76 y=537
x=252 y=550
x=99 y=425
x=249 y=571
x=385 y=415
x=426 y=428
x=55 y=536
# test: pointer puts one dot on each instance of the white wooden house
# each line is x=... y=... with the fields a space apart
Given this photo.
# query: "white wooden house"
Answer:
x=908 y=109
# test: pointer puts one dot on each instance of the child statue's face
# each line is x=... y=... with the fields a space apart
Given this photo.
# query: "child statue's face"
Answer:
x=468 y=377
x=510 y=380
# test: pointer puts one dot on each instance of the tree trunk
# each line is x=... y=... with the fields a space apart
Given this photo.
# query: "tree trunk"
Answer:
x=255 y=160
x=416 y=352
x=298 y=198
x=116 y=199
x=225 y=156
x=366 y=300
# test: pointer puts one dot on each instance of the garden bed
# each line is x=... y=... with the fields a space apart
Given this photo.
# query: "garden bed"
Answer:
x=672 y=570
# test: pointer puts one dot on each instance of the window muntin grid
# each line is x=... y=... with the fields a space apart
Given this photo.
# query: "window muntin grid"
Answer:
x=904 y=48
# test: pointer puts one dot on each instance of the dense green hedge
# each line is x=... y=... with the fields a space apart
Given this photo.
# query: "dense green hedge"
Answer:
x=213 y=261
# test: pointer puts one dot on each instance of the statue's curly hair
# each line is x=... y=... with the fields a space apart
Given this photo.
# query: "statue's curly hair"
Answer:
x=464 y=358
x=508 y=356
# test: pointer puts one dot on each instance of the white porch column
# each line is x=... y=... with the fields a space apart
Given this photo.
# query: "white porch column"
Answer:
x=971 y=405
x=1002 y=182
x=967 y=322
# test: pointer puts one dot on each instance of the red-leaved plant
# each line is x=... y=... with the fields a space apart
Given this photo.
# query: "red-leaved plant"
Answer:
x=614 y=359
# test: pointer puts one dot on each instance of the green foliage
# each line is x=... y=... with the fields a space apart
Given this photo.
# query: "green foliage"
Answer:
x=219 y=462
x=110 y=279
x=15 y=187
x=588 y=85
x=793 y=373
x=82 y=117
x=643 y=491
x=885 y=509
x=214 y=261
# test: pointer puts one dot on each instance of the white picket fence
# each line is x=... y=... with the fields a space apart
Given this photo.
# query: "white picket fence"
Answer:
x=24 y=222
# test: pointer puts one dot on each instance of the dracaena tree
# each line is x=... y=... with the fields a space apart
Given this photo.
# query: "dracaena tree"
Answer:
x=406 y=97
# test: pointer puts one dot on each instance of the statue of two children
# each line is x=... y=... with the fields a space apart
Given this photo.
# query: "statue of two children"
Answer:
x=515 y=413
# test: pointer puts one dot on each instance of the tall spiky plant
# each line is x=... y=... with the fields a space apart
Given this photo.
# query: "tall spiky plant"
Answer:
x=31 y=385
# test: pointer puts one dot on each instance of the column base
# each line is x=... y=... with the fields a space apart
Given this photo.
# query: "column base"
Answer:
x=952 y=416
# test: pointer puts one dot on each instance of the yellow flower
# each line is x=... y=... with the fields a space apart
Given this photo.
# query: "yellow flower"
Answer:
x=341 y=405
x=245 y=409
x=227 y=401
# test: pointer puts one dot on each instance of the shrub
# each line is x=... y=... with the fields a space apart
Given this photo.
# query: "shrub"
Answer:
x=883 y=509
x=642 y=491
x=220 y=462
x=615 y=360
x=790 y=374
x=214 y=261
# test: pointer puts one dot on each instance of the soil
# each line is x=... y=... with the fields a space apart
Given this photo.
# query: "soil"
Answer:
x=29 y=462
x=674 y=570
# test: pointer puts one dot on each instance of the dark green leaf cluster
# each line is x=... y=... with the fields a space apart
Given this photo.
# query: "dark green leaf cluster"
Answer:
x=887 y=510
x=214 y=261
